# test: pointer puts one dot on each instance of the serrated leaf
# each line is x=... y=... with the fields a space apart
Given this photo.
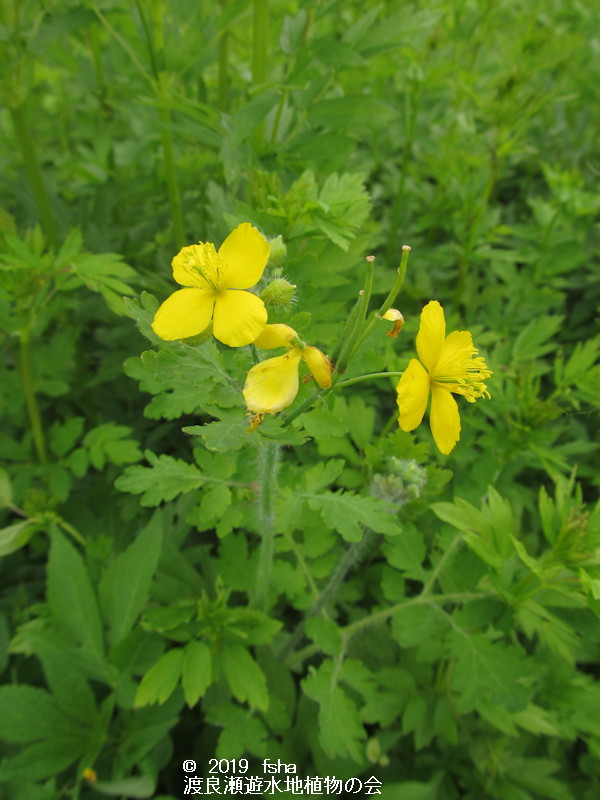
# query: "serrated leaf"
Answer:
x=490 y=670
x=196 y=673
x=340 y=730
x=245 y=678
x=159 y=683
x=124 y=587
x=348 y=513
x=166 y=478
x=221 y=436
x=323 y=474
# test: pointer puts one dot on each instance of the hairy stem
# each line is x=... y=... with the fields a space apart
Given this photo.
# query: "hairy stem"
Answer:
x=34 y=173
x=351 y=558
x=30 y=398
x=268 y=466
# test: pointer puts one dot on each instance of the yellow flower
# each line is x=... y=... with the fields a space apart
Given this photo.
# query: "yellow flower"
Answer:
x=273 y=384
x=449 y=367
x=213 y=281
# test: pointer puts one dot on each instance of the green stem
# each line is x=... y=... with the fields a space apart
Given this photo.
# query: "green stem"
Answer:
x=260 y=36
x=171 y=174
x=387 y=303
x=260 y=39
x=34 y=173
x=30 y=398
x=381 y=616
x=370 y=375
x=224 y=69
x=269 y=464
x=70 y=530
x=289 y=418
x=291 y=64
x=350 y=559
x=348 y=346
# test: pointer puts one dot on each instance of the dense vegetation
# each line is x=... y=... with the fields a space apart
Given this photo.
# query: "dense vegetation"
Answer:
x=325 y=588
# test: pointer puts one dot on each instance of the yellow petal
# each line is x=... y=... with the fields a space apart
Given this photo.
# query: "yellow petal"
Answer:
x=444 y=419
x=239 y=317
x=413 y=394
x=195 y=265
x=272 y=385
x=186 y=312
x=432 y=331
x=277 y=335
x=319 y=365
x=245 y=253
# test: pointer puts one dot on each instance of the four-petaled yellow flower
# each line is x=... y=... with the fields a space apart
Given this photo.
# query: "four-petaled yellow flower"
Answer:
x=448 y=366
x=273 y=384
x=213 y=281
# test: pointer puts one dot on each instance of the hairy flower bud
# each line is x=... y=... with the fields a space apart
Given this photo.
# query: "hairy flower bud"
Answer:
x=278 y=251
x=278 y=294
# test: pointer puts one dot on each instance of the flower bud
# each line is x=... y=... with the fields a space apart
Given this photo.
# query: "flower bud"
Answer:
x=278 y=251
x=279 y=293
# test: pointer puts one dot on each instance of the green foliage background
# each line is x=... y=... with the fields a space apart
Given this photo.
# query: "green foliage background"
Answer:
x=428 y=620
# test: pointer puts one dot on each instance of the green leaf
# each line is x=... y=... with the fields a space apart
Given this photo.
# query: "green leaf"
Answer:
x=28 y=714
x=159 y=683
x=477 y=531
x=346 y=513
x=222 y=436
x=44 y=759
x=242 y=732
x=488 y=670
x=340 y=730
x=534 y=341
x=323 y=474
x=406 y=552
x=125 y=584
x=71 y=598
x=246 y=679
x=321 y=424
x=196 y=671
x=166 y=478
x=140 y=786
x=18 y=535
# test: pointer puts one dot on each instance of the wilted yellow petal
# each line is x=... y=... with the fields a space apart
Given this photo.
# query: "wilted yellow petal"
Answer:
x=430 y=338
x=276 y=335
x=398 y=320
x=444 y=419
x=238 y=317
x=413 y=394
x=245 y=253
x=186 y=312
x=272 y=385
x=319 y=365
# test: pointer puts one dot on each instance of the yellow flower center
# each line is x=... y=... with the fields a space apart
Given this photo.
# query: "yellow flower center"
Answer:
x=205 y=260
x=463 y=374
